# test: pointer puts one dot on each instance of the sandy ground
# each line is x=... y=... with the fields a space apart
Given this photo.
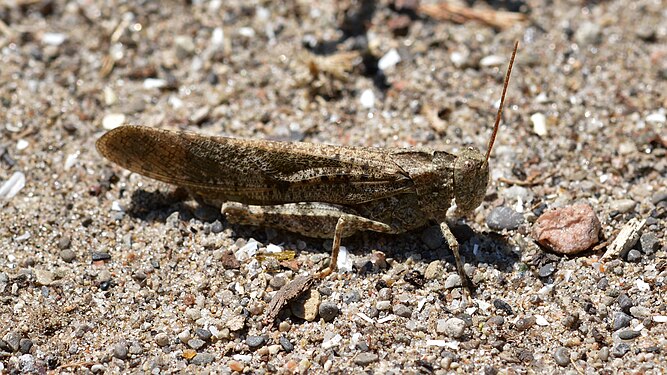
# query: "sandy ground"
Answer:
x=102 y=270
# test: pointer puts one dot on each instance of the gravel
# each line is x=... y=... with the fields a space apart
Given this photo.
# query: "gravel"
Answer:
x=91 y=253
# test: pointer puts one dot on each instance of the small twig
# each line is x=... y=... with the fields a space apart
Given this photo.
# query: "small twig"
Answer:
x=462 y=14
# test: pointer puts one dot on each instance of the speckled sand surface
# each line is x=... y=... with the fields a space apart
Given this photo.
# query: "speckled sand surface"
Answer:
x=106 y=271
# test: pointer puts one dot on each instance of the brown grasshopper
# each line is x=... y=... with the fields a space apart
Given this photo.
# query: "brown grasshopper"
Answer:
x=316 y=190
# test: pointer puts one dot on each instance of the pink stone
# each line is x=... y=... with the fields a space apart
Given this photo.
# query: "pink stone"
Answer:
x=568 y=230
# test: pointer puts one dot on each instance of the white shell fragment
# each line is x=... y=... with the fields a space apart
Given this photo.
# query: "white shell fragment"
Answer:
x=367 y=99
x=344 y=262
x=389 y=60
x=113 y=120
x=626 y=239
x=539 y=121
x=12 y=186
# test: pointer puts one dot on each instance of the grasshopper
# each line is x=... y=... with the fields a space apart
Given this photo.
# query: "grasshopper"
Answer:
x=316 y=190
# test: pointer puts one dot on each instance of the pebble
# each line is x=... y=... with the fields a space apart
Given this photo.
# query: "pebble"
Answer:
x=196 y=343
x=588 y=33
x=286 y=344
x=624 y=302
x=640 y=312
x=603 y=354
x=492 y=60
x=25 y=345
x=619 y=350
x=54 y=39
x=432 y=237
x=12 y=186
x=504 y=217
x=402 y=310
x=503 y=306
x=367 y=99
x=328 y=311
x=453 y=281
x=184 y=336
x=202 y=359
x=254 y=342
x=629 y=334
x=383 y=305
x=454 y=327
x=229 y=262
x=622 y=205
x=120 y=350
x=64 y=243
x=365 y=358
x=306 y=307
x=634 y=255
x=12 y=339
x=351 y=296
x=649 y=243
x=100 y=255
x=526 y=323
x=567 y=230
x=659 y=197
x=43 y=277
x=67 y=255
x=434 y=270
x=621 y=320
x=162 y=339
x=562 y=356
x=547 y=270
x=236 y=366
x=27 y=363
x=203 y=334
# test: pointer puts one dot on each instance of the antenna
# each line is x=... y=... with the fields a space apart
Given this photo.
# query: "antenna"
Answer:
x=502 y=102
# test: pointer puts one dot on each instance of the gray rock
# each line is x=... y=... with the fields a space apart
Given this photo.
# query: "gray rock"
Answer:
x=547 y=270
x=640 y=312
x=504 y=217
x=634 y=255
x=67 y=255
x=649 y=243
x=120 y=350
x=402 y=310
x=64 y=243
x=255 y=342
x=629 y=334
x=196 y=343
x=659 y=197
x=621 y=320
x=619 y=350
x=216 y=227
x=622 y=205
x=162 y=339
x=12 y=339
x=365 y=358
x=286 y=344
x=455 y=327
x=203 y=334
x=25 y=345
x=27 y=363
x=453 y=281
x=328 y=311
x=562 y=356
x=625 y=302
x=202 y=359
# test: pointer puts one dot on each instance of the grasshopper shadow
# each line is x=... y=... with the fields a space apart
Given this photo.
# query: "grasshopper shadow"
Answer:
x=475 y=247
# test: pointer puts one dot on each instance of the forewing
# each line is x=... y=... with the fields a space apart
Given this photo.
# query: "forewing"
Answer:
x=256 y=172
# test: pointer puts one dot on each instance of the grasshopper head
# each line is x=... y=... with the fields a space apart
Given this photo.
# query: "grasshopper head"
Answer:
x=471 y=177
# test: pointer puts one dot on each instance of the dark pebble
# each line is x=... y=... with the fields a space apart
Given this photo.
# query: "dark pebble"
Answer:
x=571 y=321
x=649 y=243
x=196 y=343
x=52 y=362
x=255 y=342
x=504 y=217
x=415 y=278
x=100 y=255
x=619 y=350
x=432 y=237
x=621 y=320
x=562 y=356
x=351 y=297
x=229 y=262
x=504 y=306
x=216 y=227
x=402 y=310
x=659 y=197
x=634 y=255
x=25 y=345
x=365 y=358
x=547 y=270
x=629 y=334
x=328 y=311
x=496 y=320
x=202 y=358
x=525 y=323
x=203 y=334
x=286 y=344
x=362 y=346
x=490 y=370
x=325 y=291
x=603 y=284
x=624 y=302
